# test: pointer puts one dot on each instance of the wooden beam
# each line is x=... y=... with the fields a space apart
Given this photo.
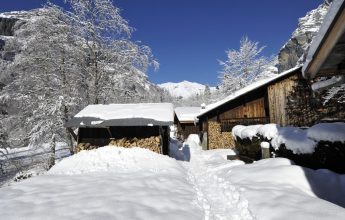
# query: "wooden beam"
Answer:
x=110 y=134
x=75 y=137
x=330 y=72
x=326 y=47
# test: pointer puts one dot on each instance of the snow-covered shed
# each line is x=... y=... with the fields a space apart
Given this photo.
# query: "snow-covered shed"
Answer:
x=326 y=55
x=186 y=121
x=100 y=124
x=262 y=102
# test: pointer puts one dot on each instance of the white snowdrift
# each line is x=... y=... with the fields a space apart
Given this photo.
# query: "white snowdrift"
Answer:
x=268 y=131
x=250 y=131
x=295 y=139
x=115 y=159
x=108 y=183
x=331 y=132
x=300 y=141
x=266 y=190
x=119 y=183
x=276 y=189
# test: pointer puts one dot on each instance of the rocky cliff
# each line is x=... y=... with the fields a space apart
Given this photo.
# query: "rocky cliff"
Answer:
x=293 y=52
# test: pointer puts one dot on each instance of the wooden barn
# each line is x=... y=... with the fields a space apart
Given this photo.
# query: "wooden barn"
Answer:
x=186 y=121
x=262 y=102
x=126 y=125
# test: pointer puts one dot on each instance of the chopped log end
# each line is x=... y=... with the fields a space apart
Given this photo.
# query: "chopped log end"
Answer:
x=152 y=143
x=218 y=139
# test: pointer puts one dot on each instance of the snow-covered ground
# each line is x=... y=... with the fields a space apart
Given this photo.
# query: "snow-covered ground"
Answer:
x=119 y=183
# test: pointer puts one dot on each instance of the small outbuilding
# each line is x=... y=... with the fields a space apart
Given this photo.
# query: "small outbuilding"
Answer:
x=126 y=125
x=186 y=121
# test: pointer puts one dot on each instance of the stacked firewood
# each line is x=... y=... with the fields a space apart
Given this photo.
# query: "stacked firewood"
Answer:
x=84 y=146
x=152 y=143
x=218 y=139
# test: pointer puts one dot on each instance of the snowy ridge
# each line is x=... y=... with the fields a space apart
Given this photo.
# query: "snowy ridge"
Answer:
x=184 y=89
x=312 y=21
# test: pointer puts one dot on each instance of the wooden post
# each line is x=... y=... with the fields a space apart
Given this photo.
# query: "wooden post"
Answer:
x=52 y=149
x=265 y=150
x=110 y=134
x=73 y=134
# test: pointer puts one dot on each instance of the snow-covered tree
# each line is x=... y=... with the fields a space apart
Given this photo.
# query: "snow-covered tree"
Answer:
x=243 y=66
x=67 y=60
x=45 y=88
x=207 y=94
x=108 y=46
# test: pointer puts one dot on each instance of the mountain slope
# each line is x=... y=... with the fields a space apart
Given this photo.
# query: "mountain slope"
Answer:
x=184 y=89
x=294 y=50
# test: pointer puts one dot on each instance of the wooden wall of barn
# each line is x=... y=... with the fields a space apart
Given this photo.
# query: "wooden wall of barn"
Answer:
x=252 y=109
x=292 y=102
x=185 y=129
x=277 y=99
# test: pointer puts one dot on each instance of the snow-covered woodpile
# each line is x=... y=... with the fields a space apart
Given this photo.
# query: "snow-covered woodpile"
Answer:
x=320 y=146
x=217 y=138
x=143 y=125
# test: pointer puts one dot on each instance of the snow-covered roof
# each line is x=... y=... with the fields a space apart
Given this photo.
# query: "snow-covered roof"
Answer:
x=141 y=114
x=326 y=26
x=187 y=114
x=247 y=89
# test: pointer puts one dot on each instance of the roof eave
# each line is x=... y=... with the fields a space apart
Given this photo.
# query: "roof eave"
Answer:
x=326 y=44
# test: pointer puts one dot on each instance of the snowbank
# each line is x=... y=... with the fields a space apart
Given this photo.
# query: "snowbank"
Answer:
x=114 y=159
x=331 y=132
x=269 y=189
x=268 y=131
x=135 y=183
x=294 y=139
x=298 y=140
x=237 y=130
x=107 y=183
x=250 y=131
x=276 y=189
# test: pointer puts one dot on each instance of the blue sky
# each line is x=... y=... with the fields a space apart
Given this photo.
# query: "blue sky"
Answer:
x=188 y=37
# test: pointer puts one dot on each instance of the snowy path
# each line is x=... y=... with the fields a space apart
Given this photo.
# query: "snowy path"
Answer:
x=217 y=197
x=120 y=183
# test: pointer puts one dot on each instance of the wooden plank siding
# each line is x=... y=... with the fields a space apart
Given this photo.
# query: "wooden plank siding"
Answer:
x=185 y=129
x=253 y=109
x=277 y=98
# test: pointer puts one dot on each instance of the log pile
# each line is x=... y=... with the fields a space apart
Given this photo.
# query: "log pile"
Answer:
x=152 y=143
x=218 y=139
x=84 y=146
